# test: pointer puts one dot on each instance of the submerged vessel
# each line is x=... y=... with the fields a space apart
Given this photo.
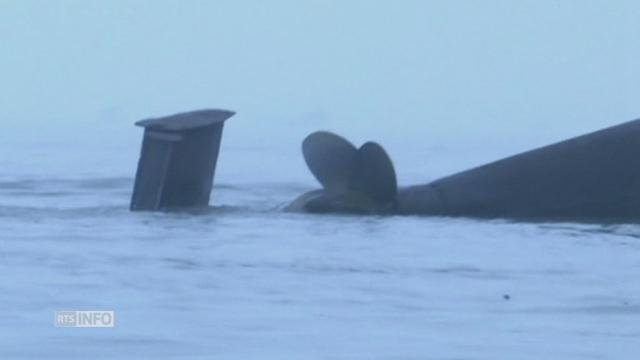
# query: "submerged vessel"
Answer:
x=591 y=178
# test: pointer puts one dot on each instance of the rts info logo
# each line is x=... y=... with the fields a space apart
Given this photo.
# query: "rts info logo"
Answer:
x=92 y=318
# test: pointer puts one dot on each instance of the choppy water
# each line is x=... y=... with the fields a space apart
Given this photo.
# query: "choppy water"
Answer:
x=244 y=280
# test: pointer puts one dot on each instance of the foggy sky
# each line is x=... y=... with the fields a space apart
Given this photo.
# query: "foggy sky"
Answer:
x=426 y=72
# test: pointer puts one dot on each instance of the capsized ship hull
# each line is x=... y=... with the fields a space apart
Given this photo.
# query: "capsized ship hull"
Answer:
x=594 y=177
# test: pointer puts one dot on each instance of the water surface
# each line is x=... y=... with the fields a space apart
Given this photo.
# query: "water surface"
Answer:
x=244 y=280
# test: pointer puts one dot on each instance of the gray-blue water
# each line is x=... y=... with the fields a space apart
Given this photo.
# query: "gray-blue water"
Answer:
x=443 y=85
x=244 y=280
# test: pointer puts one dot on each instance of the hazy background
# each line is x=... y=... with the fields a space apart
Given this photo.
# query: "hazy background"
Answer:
x=442 y=85
x=481 y=78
